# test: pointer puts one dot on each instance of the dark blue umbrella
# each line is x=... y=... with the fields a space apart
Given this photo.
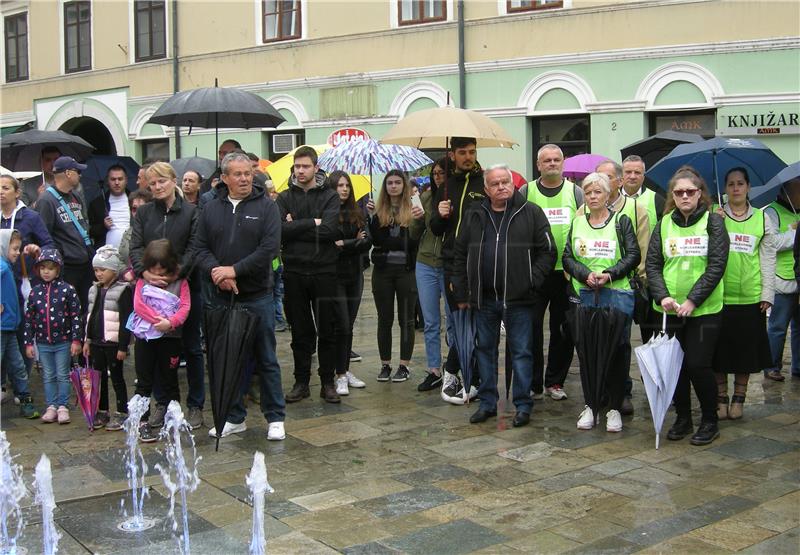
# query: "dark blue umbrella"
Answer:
x=464 y=336
x=94 y=176
x=714 y=157
x=762 y=196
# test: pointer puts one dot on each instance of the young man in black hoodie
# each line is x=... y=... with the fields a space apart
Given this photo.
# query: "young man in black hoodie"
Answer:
x=309 y=219
x=452 y=200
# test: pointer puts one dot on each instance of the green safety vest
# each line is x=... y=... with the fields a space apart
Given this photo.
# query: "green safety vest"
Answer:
x=784 y=263
x=648 y=197
x=597 y=249
x=685 y=251
x=743 y=272
x=629 y=209
x=559 y=211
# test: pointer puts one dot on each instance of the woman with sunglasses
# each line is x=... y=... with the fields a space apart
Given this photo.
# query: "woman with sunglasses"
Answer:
x=686 y=260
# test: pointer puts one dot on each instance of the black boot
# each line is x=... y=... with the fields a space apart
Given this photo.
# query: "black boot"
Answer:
x=681 y=428
x=706 y=433
x=299 y=391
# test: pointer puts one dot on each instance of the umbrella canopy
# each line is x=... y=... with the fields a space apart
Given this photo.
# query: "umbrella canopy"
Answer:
x=464 y=335
x=23 y=151
x=761 y=196
x=86 y=382
x=433 y=128
x=660 y=361
x=655 y=147
x=597 y=332
x=229 y=334
x=714 y=157
x=94 y=176
x=281 y=170
x=579 y=166
x=518 y=179
x=370 y=156
x=203 y=166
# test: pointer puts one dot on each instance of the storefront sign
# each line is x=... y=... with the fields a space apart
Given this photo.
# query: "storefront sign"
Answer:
x=346 y=135
x=768 y=123
x=700 y=124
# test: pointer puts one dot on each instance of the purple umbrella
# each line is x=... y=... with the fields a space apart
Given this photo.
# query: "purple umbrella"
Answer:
x=160 y=300
x=86 y=382
x=579 y=166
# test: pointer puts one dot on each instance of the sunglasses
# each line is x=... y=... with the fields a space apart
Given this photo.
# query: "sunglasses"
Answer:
x=689 y=193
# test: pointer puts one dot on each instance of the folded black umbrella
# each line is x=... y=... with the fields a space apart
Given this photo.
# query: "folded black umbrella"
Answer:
x=23 y=151
x=229 y=334
x=464 y=335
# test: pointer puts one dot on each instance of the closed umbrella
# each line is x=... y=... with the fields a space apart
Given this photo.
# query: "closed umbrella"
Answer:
x=23 y=151
x=762 y=196
x=464 y=336
x=655 y=147
x=86 y=381
x=660 y=361
x=93 y=177
x=579 y=166
x=229 y=334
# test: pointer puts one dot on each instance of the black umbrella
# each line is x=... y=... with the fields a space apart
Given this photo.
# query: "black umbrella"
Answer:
x=597 y=332
x=203 y=166
x=215 y=107
x=654 y=148
x=464 y=335
x=94 y=176
x=23 y=151
x=229 y=334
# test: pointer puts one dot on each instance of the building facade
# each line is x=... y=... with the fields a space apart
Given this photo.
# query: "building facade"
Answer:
x=590 y=75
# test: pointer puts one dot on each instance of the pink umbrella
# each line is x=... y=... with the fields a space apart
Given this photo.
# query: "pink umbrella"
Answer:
x=579 y=166
x=86 y=382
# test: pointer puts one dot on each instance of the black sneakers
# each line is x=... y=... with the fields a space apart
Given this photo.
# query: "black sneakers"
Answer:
x=681 y=428
x=355 y=357
x=705 y=434
x=402 y=374
x=431 y=382
x=386 y=373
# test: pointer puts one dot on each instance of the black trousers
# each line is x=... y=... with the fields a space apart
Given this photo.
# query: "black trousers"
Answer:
x=392 y=282
x=348 y=300
x=310 y=302
x=104 y=360
x=698 y=338
x=157 y=361
x=561 y=347
x=80 y=276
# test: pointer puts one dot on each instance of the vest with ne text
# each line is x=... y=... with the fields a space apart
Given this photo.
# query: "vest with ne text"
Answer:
x=784 y=263
x=743 y=273
x=685 y=251
x=559 y=211
x=597 y=248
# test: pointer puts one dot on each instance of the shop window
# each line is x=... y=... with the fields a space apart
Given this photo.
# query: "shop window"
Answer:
x=571 y=133
x=77 y=36
x=412 y=12
x=514 y=6
x=150 y=30
x=155 y=150
x=699 y=122
x=281 y=20
x=16 y=29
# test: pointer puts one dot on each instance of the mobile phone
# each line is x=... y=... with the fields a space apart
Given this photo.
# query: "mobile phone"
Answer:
x=415 y=201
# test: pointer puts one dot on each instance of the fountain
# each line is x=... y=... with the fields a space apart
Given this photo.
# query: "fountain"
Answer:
x=257 y=482
x=12 y=490
x=136 y=467
x=43 y=482
x=177 y=477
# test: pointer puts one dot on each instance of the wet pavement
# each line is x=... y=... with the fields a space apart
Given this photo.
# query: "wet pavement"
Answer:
x=391 y=470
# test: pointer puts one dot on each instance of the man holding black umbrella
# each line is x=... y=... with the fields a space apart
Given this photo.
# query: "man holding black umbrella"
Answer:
x=34 y=186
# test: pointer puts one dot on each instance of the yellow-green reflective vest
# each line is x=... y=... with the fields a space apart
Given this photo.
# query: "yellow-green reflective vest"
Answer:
x=685 y=251
x=559 y=211
x=784 y=263
x=743 y=272
x=648 y=197
x=597 y=248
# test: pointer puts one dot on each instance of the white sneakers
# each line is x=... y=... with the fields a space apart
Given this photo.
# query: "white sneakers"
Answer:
x=230 y=428
x=341 y=386
x=343 y=383
x=555 y=392
x=586 y=419
x=352 y=381
x=276 y=431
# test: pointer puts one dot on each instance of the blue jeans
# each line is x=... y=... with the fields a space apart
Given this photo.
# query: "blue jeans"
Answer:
x=13 y=365
x=519 y=338
x=277 y=293
x=266 y=361
x=784 y=311
x=430 y=287
x=56 y=362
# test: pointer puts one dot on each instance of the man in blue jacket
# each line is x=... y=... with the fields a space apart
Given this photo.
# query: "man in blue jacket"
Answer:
x=238 y=236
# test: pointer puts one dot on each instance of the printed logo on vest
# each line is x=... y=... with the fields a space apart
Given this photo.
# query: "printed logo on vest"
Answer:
x=596 y=248
x=742 y=243
x=687 y=246
x=558 y=216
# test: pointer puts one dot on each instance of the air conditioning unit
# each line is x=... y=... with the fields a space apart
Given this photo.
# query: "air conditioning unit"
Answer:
x=283 y=143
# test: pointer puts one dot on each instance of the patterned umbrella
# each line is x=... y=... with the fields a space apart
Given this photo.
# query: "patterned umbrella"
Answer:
x=86 y=381
x=370 y=156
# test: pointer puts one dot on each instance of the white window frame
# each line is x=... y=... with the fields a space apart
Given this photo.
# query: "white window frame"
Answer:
x=394 y=19
x=132 y=33
x=258 y=15
x=61 y=38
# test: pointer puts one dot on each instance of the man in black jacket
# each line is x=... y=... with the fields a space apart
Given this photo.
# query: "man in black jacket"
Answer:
x=310 y=216
x=503 y=254
x=109 y=213
x=462 y=188
x=238 y=235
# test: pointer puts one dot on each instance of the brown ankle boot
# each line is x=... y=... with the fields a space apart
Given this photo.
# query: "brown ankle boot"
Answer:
x=328 y=393
x=722 y=407
x=737 y=407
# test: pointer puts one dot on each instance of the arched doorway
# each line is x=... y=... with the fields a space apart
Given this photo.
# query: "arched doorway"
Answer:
x=94 y=132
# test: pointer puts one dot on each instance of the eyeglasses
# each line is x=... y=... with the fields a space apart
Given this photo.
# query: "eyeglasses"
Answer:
x=689 y=193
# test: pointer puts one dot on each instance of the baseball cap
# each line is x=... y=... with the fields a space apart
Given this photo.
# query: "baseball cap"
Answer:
x=65 y=163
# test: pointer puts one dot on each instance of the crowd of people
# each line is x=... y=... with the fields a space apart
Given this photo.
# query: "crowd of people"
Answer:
x=135 y=269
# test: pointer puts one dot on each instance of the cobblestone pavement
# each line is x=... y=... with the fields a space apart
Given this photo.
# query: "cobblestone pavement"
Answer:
x=391 y=470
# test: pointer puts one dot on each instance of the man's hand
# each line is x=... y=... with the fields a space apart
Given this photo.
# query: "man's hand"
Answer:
x=221 y=273
x=317 y=221
x=417 y=212
x=765 y=306
x=444 y=208
x=108 y=222
x=163 y=325
x=75 y=348
x=288 y=217
x=121 y=355
x=339 y=243
x=229 y=285
x=32 y=250
x=154 y=279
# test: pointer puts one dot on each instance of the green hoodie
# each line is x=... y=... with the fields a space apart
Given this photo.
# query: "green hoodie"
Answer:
x=430 y=245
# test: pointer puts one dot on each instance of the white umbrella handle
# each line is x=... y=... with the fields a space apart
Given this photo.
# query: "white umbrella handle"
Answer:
x=664 y=322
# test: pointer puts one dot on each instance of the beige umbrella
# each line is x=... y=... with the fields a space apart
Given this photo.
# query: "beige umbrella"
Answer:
x=433 y=128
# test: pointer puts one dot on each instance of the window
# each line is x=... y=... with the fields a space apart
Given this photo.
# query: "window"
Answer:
x=77 y=36
x=281 y=20
x=154 y=150
x=17 y=47
x=527 y=5
x=150 y=29
x=411 y=12
x=571 y=133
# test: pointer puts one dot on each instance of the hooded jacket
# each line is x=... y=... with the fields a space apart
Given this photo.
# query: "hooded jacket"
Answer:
x=32 y=230
x=246 y=237
x=461 y=189
x=530 y=253
x=9 y=294
x=54 y=313
x=308 y=248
